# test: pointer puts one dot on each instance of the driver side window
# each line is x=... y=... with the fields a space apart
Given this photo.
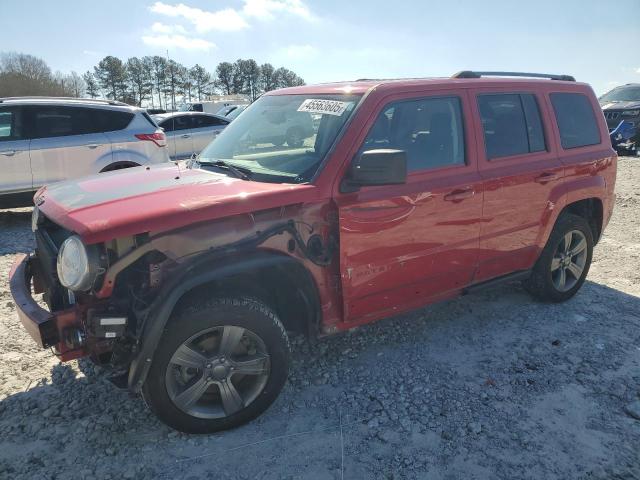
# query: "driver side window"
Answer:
x=429 y=129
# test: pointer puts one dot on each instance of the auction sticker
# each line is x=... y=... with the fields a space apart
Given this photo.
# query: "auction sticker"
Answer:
x=329 y=107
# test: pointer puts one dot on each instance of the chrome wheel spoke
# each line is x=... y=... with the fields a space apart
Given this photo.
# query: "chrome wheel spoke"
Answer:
x=255 y=365
x=575 y=270
x=231 y=399
x=188 y=397
x=187 y=357
x=555 y=263
x=562 y=278
x=567 y=242
x=579 y=248
x=231 y=336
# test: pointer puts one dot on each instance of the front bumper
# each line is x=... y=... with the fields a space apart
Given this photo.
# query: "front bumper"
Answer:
x=46 y=328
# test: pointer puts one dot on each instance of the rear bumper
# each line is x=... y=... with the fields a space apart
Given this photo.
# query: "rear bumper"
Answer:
x=40 y=323
x=46 y=328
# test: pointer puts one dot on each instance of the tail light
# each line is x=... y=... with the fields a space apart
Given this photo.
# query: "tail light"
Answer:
x=159 y=138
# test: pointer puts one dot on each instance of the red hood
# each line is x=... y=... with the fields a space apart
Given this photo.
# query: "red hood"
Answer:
x=156 y=199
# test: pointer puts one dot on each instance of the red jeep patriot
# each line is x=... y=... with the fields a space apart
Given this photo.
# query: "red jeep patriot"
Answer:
x=365 y=199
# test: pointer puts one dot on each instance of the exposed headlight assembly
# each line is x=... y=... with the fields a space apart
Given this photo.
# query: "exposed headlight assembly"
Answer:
x=631 y=113
x=78 y=266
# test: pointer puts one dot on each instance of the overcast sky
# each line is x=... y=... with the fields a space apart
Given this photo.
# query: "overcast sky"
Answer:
x=596 y=41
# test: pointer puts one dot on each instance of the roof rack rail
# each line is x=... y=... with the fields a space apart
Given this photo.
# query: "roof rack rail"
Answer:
x=74 y=99
x=472 y=74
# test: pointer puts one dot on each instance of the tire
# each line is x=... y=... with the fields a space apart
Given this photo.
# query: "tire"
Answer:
x=295 y=137
x=546 y=281
x=193 y=357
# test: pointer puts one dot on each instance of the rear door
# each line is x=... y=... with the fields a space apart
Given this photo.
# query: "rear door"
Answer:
x=66 y=143
x=179 y=137
x=14 y=152
x=522 y=177
x=205 y=129
x=402 y=246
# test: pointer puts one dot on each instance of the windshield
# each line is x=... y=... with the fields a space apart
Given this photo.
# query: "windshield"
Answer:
x=282 y=138
x=622 y=94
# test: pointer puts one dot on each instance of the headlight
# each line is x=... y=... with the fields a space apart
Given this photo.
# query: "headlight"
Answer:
x=77 y=265
x=631 y=113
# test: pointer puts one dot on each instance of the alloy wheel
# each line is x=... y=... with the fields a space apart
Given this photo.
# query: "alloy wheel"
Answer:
x=569 y=260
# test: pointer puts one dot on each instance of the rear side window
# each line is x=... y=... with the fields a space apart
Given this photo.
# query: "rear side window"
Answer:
x=61 y=121
x=430 y=131
x=110 y=120
x=11 y=124
x=511 y=124
x=201 y=121
x=576 y=120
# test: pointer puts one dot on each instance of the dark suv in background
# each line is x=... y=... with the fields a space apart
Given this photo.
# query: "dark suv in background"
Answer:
x=621 y=107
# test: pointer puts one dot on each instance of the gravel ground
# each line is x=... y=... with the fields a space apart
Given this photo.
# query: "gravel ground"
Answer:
x=490 y=385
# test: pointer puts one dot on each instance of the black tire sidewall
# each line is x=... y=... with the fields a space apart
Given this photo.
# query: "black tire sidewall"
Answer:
x=541 y=283
x=246 y=313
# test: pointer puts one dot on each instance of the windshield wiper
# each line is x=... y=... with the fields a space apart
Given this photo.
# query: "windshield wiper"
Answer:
x=242 y=173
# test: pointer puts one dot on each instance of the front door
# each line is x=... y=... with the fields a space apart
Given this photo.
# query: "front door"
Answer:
x=14 y=152
x=402 y=246
x=179 y=137
x=204 y=130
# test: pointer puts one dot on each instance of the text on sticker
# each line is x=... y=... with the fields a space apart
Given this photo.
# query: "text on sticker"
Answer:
x=329 y=107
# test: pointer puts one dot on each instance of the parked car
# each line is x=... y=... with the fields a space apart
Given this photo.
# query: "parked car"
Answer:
x=233 y=114
x=189 y=132
x=621 y=107
x=409 y=192
x=214 y=106
x=45 y=140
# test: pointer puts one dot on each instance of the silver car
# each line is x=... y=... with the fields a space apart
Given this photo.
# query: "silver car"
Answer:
x=189 y=132
x=45 y=140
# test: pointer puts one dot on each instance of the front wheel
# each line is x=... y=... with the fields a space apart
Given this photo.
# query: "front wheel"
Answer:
x=219 y=365
x=565 y=260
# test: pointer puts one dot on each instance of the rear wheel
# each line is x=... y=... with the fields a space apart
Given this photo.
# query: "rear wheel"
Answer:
x=564 y=263
x=218 y=365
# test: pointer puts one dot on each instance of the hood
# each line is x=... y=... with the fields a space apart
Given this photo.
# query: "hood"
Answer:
x=157 y=199
x=622 y=105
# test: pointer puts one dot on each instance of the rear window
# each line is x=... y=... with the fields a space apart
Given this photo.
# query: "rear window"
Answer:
x=511 y=124
x=576 y=120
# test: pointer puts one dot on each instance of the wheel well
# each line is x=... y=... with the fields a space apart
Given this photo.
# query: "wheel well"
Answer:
x=290 y=292
x=591 y=210
x=119 y=166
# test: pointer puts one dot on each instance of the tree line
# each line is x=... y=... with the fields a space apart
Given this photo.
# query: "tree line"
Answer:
x=151 y=80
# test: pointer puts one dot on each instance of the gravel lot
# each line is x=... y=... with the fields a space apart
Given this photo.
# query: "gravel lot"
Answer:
x=490 y=385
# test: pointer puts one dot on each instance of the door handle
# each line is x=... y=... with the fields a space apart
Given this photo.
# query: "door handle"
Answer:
x=8 y=153
x=459 y=195
x=185 y=136
x=93 y=145
x=547 y=177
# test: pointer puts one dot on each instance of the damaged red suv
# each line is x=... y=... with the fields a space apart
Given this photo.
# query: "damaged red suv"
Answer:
x=184 y=279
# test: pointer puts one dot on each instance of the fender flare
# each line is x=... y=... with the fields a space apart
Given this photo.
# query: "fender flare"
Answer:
x=203 y=269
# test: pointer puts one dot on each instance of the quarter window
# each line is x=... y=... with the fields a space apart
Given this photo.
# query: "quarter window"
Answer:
x=511 y=124
x=430 y=131
x=576 y=121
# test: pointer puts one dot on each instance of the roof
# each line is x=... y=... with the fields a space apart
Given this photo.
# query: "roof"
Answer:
x=70 y=101
x=359 y=87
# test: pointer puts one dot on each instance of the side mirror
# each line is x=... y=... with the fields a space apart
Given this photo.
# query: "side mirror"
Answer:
x=377 y=167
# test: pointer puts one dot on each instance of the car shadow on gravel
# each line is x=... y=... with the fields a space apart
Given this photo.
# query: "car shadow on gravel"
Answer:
x=489 y=385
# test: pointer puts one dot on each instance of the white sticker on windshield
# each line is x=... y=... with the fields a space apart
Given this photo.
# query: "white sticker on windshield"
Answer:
x=329 y=107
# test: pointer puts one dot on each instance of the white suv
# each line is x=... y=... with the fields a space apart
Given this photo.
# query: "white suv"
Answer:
x=45 y=140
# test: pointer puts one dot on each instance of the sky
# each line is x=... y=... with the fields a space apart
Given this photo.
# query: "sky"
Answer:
x=330 y=40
